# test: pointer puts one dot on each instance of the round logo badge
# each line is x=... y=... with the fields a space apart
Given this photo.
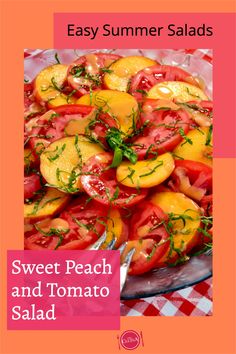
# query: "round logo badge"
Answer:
x=130 y=340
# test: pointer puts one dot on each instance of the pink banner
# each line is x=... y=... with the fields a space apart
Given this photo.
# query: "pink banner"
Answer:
x=152 y=30
x=63 y=290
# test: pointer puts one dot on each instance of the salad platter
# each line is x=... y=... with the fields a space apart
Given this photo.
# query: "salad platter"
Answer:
x=119 y=142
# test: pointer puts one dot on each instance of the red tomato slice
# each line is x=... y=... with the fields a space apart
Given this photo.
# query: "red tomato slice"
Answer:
x=205 y=107
x=99 y=181
x=31 y=107
x=147 y=222
x=84 y=225
x=201 y=112
x=207 y=204
x=145 y=79
x=31 y=185
x=46 y=131
x=86 y=72
x=147 y=253
x=191 y=178
x=28 y=90
x=163 y=132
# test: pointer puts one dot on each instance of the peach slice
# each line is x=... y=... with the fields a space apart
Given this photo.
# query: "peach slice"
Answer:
x=56 y=223
x=61 y=100
x=184 y=233
x=78 y=126
x=116 y=228
x=49 y=203
x=119 y=105
x=201 y=148
x=123 y=69
x=178 y=90
x=62 y=160
x=48 y=84
x=146 y=173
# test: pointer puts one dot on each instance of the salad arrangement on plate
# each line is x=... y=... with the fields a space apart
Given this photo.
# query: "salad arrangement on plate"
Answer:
x=121 y=145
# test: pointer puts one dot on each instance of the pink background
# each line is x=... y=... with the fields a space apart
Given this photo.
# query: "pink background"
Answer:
x=224 y=64
x=70 y=312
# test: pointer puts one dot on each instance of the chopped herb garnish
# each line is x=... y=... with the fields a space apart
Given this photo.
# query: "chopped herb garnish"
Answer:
x=192 y=94
x=68 y=97
x=49 y=201
x=37 y=202
x=55 y=84
x=53 y=232
x=162 y=109
x=53 y=115
x=176 y=156
x=57 y=59
x=117 y=158
x=58 y=152
x=107 y=70
x=209 y=136
x=160 y=163
x=114 y=139
x=184 y=136
x=143 y=92
x=130 y=175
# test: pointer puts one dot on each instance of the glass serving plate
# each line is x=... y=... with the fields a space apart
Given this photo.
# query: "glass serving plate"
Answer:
x=198 y=268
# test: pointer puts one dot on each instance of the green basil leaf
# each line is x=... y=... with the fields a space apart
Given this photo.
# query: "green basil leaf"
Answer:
x=117 y=158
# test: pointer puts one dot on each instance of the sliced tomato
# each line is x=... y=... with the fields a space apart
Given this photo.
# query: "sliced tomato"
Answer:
x=99 y=181
x=205 y=107
x=145 y=79
x=148 y=222
x=200 y=111
x=192 y=178
x=51 y=127
x=31 y=107
x=83 y=223
x=207 y=204
x=86 y=72
x=86 y=219
x=146 y=255
x=164 y=131
x=28 y=91
x=31 y=185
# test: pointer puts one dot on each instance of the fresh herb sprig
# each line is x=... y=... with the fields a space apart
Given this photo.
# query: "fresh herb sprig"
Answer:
x=115 y=140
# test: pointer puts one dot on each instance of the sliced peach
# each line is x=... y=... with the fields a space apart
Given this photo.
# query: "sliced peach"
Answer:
x=116 y=228
x=146 y=173
x=61 y=100
x=123 y=69
x=119 y=105
x=184 y=233
x=56 y=223
x=200 y=150
x=48 y=85
x=62 y=160
x=49 y=203
x=178 y=90
x=79 y=125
